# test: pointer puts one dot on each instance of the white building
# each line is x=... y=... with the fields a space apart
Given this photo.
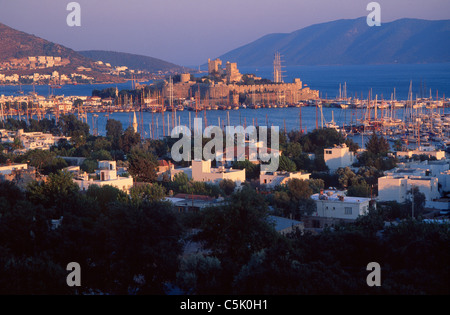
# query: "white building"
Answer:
x=38 y=140
x=338 y=156
x=444 y=180
x=397 y=187
x=335 y=207
x=201 y=171
x=285 y=225
x=432 y=168
x=107 y=175
x=7 y=169
x=422 y=150
x=273 y=179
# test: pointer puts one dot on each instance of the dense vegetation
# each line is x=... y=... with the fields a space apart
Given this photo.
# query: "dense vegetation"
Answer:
x=133 y=244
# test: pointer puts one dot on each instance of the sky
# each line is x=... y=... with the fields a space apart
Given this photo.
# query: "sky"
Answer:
x=188 y=32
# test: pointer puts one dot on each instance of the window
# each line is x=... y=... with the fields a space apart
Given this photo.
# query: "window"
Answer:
x=348 y=210
x=328 y=152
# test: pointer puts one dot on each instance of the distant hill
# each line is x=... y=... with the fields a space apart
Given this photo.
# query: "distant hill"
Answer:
x=132 y=61
x=17 y=44
x=351 y=42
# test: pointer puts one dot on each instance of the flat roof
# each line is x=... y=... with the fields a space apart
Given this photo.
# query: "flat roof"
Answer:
x=283 y=223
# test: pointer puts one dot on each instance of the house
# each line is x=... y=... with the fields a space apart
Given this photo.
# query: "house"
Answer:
x=285 y=225
x=201 y=171
x=338 y=156
x=164 y=170
x=334 y=207
x=398 y=187
x=105 y=175
x=433 y=168
x=273 y=179
x=18 y=173
x=9 y=168
x=429 y=151
x=193 y=203
x=37 y=140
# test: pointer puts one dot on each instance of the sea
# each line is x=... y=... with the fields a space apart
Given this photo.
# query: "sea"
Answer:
x=383 y=81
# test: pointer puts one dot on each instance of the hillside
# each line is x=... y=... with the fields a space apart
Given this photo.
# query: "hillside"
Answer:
x=132 y=61
x=351 y=42
x=17 y=46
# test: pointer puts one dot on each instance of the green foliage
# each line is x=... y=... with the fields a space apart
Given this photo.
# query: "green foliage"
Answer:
x=182 y=184
x=319 y=139
x=286 y=164
x=114 y=132
x=142 y=165
x=43 y=160
x=237 y=230
x=199 y=274
x=89 y=166
x=377 y=145
x=293 y=199
x=101 y=155
x=359 y=189
x=147 y=192
x=376 y=154
x=105 y=195
x=70 y=126
x=59 y=190
x=251 y=170
x=227 y=186
x=129 y=139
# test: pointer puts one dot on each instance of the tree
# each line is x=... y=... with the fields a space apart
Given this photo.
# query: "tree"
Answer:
x=104 y=195
x=299 y=189
x=114 y=132
x=416 y=203
x=199 y=274
x=251 y=170
x=359 y=189
x=377 y=145
x=147 y=192
x=58 y=191
x=70 y=126
x=142 y=165
x=143 y=247
x=238 y=229
x=286 y=164
x=129 y=139
x=101 y=155
x=318 y=139
x=89 y=166
x=293 y=150
x=346 y=175
x=228 y=186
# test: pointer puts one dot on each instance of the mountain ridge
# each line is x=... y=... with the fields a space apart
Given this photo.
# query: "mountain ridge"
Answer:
x=130 y=60
x=351 y=41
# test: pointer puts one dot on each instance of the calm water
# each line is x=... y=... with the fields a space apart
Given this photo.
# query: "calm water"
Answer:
x=382 y=79
x=281 y=117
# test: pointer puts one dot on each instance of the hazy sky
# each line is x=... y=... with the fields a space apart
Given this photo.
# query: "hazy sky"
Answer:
x=188 y=32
